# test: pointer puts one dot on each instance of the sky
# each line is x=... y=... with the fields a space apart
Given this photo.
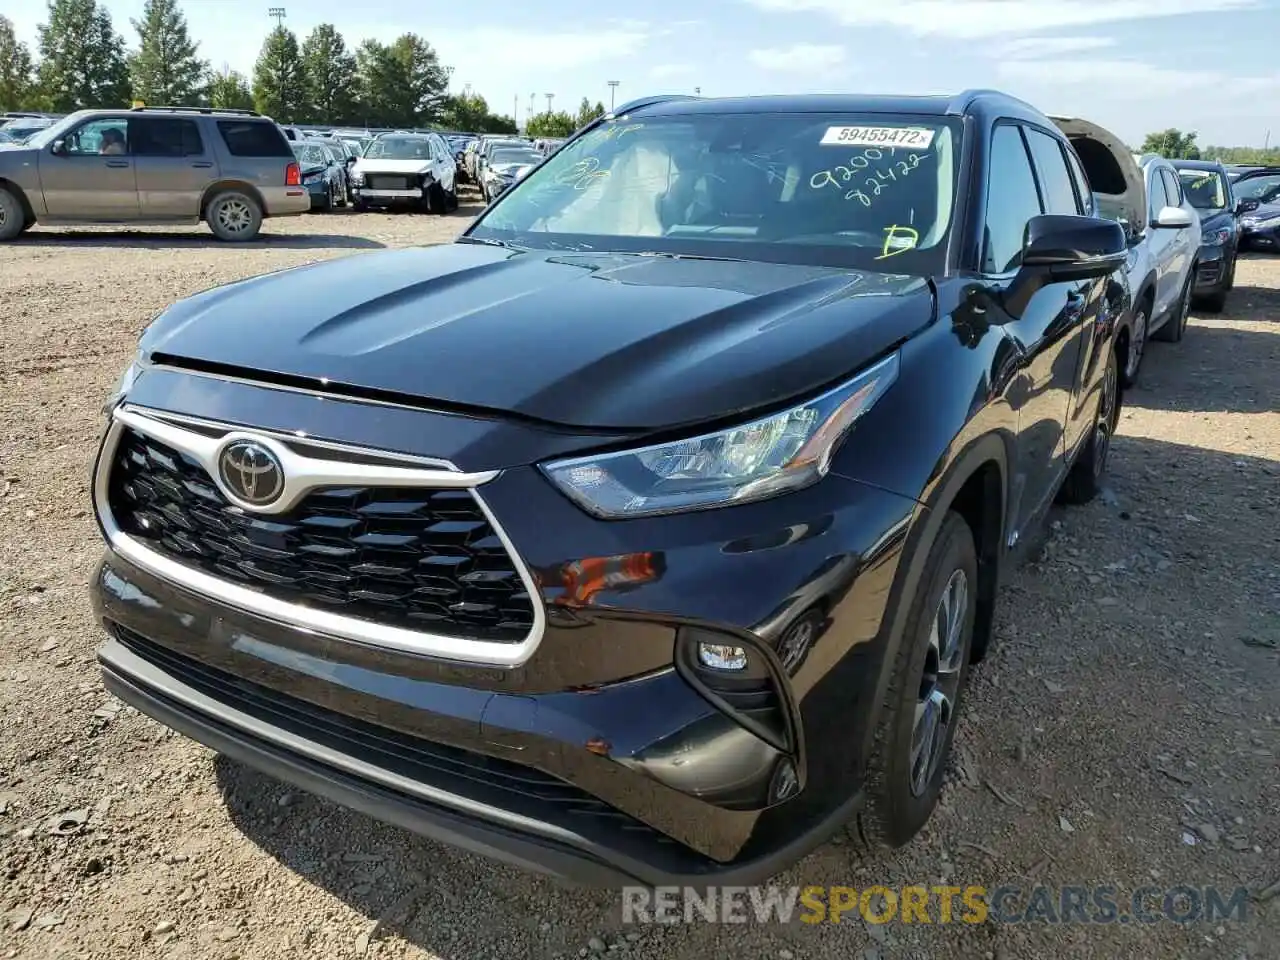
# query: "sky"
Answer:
x=1133 y=66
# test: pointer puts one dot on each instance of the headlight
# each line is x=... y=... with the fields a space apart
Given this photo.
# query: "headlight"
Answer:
x=777 y=454
x=122 y=387
x=357 y=178
x=1219 y=235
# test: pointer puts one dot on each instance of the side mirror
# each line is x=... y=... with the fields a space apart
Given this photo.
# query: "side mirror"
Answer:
x=1061 y=249
x=59 y=147
x=1172 y=218
x=1247 y=206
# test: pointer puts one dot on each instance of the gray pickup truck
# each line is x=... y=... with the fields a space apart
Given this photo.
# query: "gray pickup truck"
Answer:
x=152 y=165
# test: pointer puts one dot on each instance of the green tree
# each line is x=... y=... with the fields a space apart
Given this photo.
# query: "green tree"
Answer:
x=330 y=75
x=1172 y=144
x=1268 y=156
x=549 y=124
x=16 y=88
x=499 y=123
x=82 y=62
x=165 y=70
x=587 y=113
x=279 y=89
x=379 y=82
x=427 y=82
x=229 y=90
x=467 y=111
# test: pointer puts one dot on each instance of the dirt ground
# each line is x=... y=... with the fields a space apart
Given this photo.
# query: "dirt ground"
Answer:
x=1125 y=731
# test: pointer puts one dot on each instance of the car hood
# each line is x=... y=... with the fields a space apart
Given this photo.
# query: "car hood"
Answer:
x=1212 y=219
x=392 y=166
x=311 y=169
x=512 y=169
x=601 y=341
x=1266 y=211
x=1114 y=176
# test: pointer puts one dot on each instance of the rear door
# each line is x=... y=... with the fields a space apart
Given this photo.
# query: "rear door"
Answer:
x=174 y=165
x=93 y=178
x=1160 y=242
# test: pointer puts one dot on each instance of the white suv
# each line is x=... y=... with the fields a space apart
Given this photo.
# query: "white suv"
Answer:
x=1145 y=195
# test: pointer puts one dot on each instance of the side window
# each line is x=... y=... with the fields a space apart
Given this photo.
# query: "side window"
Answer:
x=1157 y=198
x=1083 y=187
x=1172 y=188
x=1012 y=200
x=156 y=137
x=254 y=138
x=99 y=138
x=1055 y=178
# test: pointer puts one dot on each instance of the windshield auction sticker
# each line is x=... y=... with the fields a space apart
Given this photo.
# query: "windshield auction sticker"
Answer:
x=915 y=137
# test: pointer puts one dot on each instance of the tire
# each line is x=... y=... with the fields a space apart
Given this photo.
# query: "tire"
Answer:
x=1213 y=302
x=901 y=789
x=451 y=200
x=1176 y=325
x=13 y=218
x=1137 y=343
x=360 y=206
x=436 y=202
x=1231 y=273
x=233 y=216
x=327 y=204
x=1084 y=482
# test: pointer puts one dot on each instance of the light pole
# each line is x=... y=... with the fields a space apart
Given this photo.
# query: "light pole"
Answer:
x=613 y=90
x=550 y=97
x=697 y=91
x=533 y=99
x=277 y=14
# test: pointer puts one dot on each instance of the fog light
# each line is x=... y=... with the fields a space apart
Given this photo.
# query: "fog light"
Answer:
x=722 y=656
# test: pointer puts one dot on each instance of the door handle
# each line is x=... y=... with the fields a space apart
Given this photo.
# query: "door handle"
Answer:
x=118 y=163
x=202 y=164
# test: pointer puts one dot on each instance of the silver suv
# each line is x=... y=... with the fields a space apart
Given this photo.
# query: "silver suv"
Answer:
x=152 y=165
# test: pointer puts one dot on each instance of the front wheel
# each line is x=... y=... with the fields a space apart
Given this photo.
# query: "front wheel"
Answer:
x=13 y=219
x=1137 y=344
x=922 y=704
x=1084 y=482
x=234 y=216
x=1176 y=325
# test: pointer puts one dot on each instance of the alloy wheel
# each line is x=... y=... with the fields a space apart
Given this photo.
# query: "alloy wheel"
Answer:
x=234 y=216
x=1106 y=421
x=939 y=683
x=1137 y=344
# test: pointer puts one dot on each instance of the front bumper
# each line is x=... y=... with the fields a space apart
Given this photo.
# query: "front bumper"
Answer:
x=1211 y=269
x=1260 y=237
x=597 y=759
x=383 y=197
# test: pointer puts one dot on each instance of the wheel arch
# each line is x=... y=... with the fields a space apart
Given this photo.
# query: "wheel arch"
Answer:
x=28 y=211
x=976 y=485
x=221 y=186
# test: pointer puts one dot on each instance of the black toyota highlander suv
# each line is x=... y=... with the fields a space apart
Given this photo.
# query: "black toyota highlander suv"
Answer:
x=647 y=532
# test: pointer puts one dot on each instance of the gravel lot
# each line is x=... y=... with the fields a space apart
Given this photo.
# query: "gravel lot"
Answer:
x=1132 y=706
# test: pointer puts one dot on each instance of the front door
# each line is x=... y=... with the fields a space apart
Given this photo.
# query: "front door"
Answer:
x=1160 y=242
x=1045 y=334
x=92 y=176
x=173 y=166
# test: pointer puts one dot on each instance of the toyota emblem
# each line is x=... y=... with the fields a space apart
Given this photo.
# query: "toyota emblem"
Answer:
x=251 y=473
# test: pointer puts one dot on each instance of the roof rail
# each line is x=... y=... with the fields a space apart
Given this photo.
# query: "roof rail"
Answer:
x=205 y=110
x=649 y=101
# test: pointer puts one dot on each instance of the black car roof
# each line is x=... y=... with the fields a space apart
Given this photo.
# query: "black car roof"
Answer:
x=960 y=104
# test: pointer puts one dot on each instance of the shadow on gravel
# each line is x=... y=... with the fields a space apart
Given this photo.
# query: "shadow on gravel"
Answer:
x=1215 y=369
x=131 y=239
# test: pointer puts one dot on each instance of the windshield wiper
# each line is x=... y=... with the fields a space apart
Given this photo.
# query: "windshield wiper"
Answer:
x=685 y=256
x=489 y=242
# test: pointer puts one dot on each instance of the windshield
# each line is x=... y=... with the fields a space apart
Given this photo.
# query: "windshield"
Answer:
x=1261 y=188
x=516 y=156
x=494 y=145
x=399 y=148
x=311 y=153
x=1204 y=188
x=831 y=189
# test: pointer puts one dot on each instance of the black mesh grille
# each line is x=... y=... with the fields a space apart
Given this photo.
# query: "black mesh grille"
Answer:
x=383 y=181
x=414 y=558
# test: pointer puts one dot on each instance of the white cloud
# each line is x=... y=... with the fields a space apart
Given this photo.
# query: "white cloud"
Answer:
x=1036 y=48
x=665 y=71
x=1131 y=80
x=798 y=57
x=971 y=19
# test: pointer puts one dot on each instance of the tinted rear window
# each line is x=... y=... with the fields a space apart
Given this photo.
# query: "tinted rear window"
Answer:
x=247 y=138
